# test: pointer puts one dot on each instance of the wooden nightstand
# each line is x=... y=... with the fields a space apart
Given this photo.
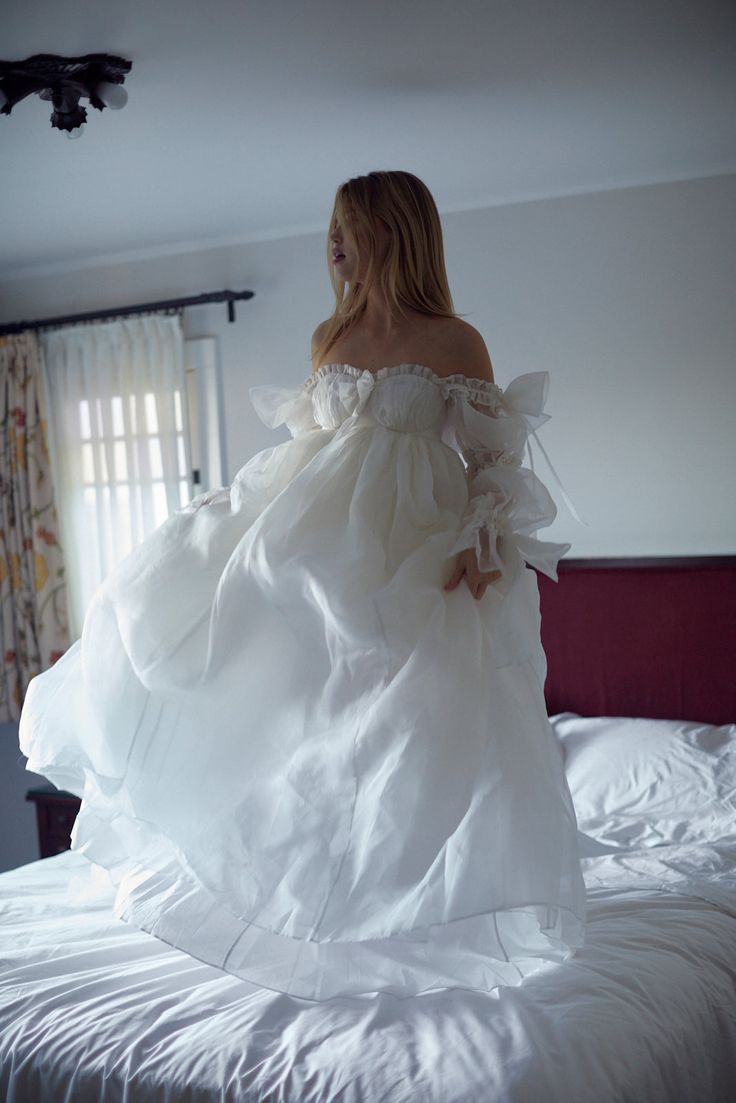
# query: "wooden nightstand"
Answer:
x=56 y=811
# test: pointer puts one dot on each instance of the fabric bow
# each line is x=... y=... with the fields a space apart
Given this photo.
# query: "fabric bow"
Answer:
x=525 y=399
x=364 y=384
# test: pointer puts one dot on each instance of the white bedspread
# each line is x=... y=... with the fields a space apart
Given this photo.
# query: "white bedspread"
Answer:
x=92 y=1009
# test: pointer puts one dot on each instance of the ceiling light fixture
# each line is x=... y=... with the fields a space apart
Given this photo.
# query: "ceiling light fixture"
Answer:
x=63 y=81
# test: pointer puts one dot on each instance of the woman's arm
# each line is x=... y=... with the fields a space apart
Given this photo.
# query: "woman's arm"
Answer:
x=507 y=502
x=475 y=362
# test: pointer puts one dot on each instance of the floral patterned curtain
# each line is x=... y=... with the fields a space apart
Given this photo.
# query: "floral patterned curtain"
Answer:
x=34 y=629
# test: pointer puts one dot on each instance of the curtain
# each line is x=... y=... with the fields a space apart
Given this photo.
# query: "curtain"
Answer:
x=118 y=439
x=34 y=629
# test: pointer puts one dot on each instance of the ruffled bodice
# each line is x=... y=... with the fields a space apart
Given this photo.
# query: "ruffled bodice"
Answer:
x=408 y=397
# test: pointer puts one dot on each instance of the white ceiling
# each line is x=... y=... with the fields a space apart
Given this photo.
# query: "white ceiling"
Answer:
x=243 y=117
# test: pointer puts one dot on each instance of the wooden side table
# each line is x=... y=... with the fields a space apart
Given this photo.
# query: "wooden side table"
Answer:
x=56 y=811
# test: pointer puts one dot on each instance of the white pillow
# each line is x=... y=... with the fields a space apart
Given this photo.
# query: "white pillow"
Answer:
x=641 y=783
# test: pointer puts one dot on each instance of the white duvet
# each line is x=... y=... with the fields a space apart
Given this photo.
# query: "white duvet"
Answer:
x=92 y=1009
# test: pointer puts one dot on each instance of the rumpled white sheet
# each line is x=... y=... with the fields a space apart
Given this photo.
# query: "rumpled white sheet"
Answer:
x=92 y=1009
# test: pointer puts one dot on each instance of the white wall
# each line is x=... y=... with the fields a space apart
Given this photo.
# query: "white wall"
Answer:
x=625 y=297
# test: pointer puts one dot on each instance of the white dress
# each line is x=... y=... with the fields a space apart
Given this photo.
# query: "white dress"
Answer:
x=301 y=759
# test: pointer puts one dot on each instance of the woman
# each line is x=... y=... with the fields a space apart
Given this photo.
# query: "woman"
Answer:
x=306 y=753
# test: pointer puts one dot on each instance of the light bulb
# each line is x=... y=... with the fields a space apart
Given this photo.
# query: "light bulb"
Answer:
x=113 y=96
x=76 y=133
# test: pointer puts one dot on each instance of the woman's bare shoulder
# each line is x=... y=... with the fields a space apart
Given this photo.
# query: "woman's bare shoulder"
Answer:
x=317 y=338
x=464 y=350
x=319 y=333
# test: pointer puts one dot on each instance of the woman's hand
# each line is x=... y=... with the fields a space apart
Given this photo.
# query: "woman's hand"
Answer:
x=467 y=564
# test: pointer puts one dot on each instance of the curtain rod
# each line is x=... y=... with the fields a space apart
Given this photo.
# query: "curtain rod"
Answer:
x=229 y=297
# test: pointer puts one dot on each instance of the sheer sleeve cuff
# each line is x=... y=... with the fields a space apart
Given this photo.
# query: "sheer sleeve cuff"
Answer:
x=500 y=523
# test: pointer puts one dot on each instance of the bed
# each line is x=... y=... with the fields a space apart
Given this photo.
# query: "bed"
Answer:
x=642 y=697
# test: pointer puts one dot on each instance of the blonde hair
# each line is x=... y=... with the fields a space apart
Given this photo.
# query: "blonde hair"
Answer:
x=413 y=275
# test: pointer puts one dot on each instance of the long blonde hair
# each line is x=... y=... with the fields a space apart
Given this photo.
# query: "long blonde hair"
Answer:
x=414 y=272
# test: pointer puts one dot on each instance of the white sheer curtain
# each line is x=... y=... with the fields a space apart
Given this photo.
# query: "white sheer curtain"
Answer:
x=118 y=439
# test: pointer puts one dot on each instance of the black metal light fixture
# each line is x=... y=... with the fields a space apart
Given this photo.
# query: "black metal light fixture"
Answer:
x=64 y=81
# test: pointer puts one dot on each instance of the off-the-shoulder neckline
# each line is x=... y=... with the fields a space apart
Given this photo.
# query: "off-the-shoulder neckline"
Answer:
x=457 y=378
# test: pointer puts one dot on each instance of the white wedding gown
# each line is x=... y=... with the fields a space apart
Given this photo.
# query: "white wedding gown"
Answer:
x=300 y=758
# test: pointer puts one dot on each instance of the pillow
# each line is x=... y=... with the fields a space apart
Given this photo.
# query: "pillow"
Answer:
x=642 y=783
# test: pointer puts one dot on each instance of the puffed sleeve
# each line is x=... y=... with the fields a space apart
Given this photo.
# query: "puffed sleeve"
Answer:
x=507 y=502
x=289 y=405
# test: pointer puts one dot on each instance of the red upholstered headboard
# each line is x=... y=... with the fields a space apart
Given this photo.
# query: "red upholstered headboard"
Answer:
x=642 y=637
